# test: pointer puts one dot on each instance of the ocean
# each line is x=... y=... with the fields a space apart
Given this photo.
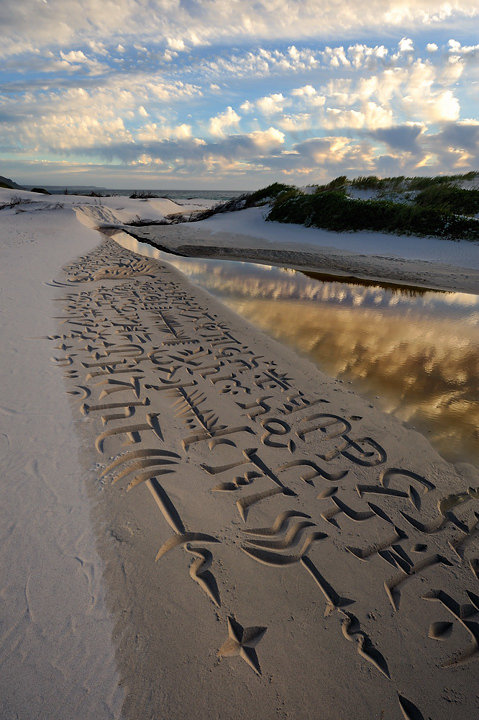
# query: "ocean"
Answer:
x=172 y=194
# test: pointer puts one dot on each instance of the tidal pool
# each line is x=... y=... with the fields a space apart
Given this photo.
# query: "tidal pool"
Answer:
x=414 y=352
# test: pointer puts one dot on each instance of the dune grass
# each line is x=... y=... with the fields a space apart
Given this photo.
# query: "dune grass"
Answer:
x=425 y=206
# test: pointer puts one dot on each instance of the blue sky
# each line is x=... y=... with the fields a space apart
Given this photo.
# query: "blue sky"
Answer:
x=234 y=95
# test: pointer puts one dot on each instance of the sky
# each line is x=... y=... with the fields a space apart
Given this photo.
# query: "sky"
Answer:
x=235 y=94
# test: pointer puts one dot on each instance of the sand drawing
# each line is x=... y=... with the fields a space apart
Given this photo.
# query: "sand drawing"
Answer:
x=188 y=406
x=381 y=547
x=462 y=615
x=200 y=573
x=309 y=500
x=409 y=710
x=352 y=631
x=242 y=641
x=133 y=432
x=392 y=585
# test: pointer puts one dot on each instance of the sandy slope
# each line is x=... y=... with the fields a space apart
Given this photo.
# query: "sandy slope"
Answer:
x=95 y=211
x=271 y=544
x=56 y=655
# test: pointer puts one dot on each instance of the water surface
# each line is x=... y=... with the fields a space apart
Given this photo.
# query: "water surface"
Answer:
x=414 y=352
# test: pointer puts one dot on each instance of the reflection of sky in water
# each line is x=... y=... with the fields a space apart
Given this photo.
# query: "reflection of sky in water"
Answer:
x=417 y=350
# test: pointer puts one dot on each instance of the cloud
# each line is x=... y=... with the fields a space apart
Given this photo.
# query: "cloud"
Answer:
x=434 y=108
x=264 y=154
x=29 y=24
x=144 y=108
x=309 y=96
x=336 y=57
x=250 y=87
x=267 y=139
x=267 y=105
x=227 y=119
x=76 y=59
x=74 y=56
x=361 y=55
x=190 y=150
x=465 y=50
x=452 y=71
x=67 y=132
x=260 y=63
x=154 y=131
x=462 y=135
x=57 y=120
x=271 y=104
x=321 y=158
x=406 y=45
x=335 y=118
x=455 y=148
x=176 y=44
x=371 y=116
x=295 y=123
x=399 y=137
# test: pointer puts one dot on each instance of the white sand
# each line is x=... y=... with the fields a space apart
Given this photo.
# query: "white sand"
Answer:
x=323 y=632
x=251 y=222
x=114 y=209
x=56 y=656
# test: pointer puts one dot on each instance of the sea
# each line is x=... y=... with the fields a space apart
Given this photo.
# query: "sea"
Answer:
x=172 y=194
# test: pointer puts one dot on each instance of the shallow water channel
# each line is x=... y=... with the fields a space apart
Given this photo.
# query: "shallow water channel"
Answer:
x=413 y=352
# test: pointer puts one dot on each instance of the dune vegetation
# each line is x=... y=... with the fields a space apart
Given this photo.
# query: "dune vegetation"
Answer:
x=412 y=206
x=442 y=206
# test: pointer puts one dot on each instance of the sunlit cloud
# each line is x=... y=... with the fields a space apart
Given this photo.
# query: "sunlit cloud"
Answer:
x=218 y=125
x=29 y=24
x=228 y=92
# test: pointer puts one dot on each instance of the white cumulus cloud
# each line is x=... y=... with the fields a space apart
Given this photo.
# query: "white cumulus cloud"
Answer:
x=227 y=119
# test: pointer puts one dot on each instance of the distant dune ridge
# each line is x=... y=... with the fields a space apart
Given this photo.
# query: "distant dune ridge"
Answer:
x=7 y=183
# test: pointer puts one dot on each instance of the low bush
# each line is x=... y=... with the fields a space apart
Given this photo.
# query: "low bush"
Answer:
x=449 y=198
x=421 y=183
x=143 y=195
x=267 y=193
x=333 y=210
x=402 y=183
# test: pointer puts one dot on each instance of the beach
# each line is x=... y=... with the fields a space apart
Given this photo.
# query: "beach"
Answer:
x=210 y=526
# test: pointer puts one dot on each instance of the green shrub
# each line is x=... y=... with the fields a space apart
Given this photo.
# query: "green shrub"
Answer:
x=336 y=184
x=335 y=211
x=421 y=183
x=449 y=198
x=395 y=184
x=271 y=191
x=143 y=195
x=370 y=182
